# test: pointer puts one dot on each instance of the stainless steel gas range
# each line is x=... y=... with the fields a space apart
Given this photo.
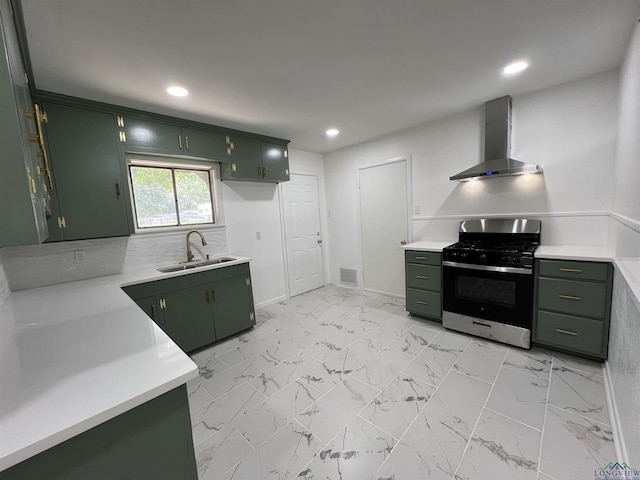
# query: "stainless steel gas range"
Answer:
x=488 y=279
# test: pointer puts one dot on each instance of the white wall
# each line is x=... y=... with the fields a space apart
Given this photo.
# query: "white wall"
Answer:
x=570 y=130
x=623 y=364
x=252 y=207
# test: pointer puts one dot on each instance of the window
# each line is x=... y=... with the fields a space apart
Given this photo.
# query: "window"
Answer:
x=165 y=195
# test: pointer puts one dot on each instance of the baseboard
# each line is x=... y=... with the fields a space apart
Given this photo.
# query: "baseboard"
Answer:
x=270 y=302
x=618 y=438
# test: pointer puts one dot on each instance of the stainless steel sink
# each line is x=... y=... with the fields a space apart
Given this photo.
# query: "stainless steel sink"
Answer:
x=196 y=264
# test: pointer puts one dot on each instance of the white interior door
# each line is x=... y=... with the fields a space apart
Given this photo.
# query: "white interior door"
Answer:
x=302 y=233
x=384 y=220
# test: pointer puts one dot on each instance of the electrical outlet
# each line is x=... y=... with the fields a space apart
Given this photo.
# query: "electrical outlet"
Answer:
x=416 y=210
x=79 y=254
x=258 y=236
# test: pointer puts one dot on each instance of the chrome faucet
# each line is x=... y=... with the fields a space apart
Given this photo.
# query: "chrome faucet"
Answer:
x=189 y=252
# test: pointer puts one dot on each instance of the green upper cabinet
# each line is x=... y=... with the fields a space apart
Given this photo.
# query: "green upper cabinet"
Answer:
x=275 y=162
x=141 y=135
x=89 y=191
x=253 y=160
x=23 y=187
x=148 y=136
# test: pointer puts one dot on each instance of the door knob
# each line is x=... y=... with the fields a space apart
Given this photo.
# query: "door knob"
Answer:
x=403 y=242
x=319 y=241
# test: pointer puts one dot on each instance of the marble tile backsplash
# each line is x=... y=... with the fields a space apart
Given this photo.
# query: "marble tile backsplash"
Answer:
x=48 y=264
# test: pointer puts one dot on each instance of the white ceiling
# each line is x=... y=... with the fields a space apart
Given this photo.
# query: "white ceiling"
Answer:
x=293 y=68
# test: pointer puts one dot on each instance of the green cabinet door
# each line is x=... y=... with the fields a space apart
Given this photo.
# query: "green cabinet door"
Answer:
x=245 y=162
x=88 y=185
x=232 y=305
x=188 y=317
x=275 y=162
x=205 y=144
x=151 y=306
x=153 y=137
x=22 y=215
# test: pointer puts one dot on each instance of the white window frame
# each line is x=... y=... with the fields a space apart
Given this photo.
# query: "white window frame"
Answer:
x=173 y=162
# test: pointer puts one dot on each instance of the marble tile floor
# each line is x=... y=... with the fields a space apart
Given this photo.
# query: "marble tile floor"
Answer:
x=343 y=384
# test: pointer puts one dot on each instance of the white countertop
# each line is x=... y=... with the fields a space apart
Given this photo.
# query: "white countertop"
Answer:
x=589 y=253
x=428 y=245
x=77 y=354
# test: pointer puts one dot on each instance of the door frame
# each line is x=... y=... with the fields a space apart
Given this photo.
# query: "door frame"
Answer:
x=409 y=199
x=323 y=227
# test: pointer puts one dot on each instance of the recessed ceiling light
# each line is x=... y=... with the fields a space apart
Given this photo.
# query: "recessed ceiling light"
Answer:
x=515 y=67
x=332 y=132
x=177 y=91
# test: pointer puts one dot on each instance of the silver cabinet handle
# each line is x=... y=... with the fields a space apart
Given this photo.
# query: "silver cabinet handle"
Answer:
x=186 y=141
x=566 y=332
x=571 y=270
x=569 y=297
x=422 y=277
x=180 y=142
x=421 y=258
x=420 y=302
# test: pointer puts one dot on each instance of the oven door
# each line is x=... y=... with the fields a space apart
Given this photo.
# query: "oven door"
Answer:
x=500 y=294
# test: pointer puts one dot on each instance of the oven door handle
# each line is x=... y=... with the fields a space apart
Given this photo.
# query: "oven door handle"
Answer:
x=489 y=268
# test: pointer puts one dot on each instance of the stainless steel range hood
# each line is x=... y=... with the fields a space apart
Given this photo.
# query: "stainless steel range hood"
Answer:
x=497 y=146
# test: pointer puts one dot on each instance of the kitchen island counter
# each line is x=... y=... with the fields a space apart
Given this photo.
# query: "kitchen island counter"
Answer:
x=75 y=355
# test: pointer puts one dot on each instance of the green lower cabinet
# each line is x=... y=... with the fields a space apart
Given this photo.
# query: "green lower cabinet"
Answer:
x=150 y=442
x=572 y=306
x=233 y=305
x=188 y=318
x=151 y=306
x=423 y=280
x=198 y=309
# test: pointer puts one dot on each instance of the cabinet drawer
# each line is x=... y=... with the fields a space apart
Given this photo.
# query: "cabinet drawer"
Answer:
x=572 y=269
x=570 y=296
x=424 y=303
x=572 y=333
x=426 y=277
x=426 y=258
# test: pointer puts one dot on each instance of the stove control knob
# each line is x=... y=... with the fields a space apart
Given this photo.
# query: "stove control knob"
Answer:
x=453 y=254
x=504 y=259
x=482 y=257
x=464 y=255
x=516 y=259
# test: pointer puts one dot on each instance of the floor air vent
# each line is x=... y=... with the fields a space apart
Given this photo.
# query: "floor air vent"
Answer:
x=349 y=277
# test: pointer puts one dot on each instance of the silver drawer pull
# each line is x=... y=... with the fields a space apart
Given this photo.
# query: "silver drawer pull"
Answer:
x=566 y=332
x=420 y=302
x=571 y=270
x=422 y=277
x=421 y=258
x=569 y=297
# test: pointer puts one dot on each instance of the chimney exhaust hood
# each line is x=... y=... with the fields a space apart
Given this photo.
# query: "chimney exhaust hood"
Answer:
x=497 y=146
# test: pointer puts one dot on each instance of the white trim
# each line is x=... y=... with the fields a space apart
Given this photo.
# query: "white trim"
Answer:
x=626 y=221
x=513 y=215
x=395 y=295
x=616 y=425
x=266 y=303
